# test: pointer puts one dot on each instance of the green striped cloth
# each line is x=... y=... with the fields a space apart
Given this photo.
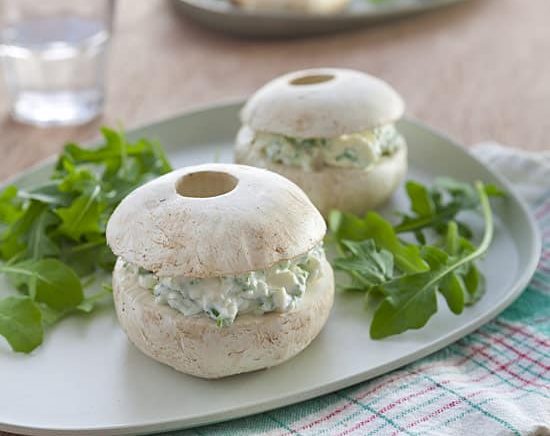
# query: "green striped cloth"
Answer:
x=495 y=381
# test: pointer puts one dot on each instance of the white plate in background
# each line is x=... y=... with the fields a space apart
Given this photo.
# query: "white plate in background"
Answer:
x=222 y=15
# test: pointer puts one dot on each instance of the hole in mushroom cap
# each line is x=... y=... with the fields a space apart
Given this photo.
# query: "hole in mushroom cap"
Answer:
x=312 y=79
x=205 y=184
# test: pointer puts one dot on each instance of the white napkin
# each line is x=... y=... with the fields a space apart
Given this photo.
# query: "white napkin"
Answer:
x=528 y=172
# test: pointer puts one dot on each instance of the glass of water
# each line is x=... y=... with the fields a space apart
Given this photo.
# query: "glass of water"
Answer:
x=53 y=54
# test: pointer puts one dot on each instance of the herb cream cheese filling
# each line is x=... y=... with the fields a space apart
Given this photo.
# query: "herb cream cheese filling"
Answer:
x=276 y=289
x=355 y=150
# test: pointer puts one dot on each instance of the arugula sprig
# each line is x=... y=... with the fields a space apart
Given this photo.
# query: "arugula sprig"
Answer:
x=348 y=227
x=432 y=208
x=379 y=263
x=52 y=235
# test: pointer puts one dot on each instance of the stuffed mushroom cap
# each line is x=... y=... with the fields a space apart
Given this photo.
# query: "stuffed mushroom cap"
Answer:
x=195 y=345
x=322 y=103
x=212 y=220
x=207 y=225
x=331 y=131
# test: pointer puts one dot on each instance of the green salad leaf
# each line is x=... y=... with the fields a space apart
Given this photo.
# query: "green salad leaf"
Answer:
x=40 y=244
x=379 y=263
x=52 y=235
x=367 y=266
x=82 y=217
x=432 y=208
x=21 y=323
x=47 y=281
x=346 y=226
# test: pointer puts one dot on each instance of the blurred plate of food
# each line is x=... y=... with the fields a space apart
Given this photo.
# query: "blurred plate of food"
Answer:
x=270 y=18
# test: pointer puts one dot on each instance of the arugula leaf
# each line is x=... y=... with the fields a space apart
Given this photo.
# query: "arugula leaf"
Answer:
x=47 y=193
x=39 y=243
x=410 y=302
x=434 y=256
x=52 y=236
x=370 y=247
x=475 y=285
x=366 y=265
x=348 y=227
x=75 y=180
x=13 y=240
x=85 y=258
x=21 y=323
x=47 y=281
x=433 y=208
x=453 y=289
x=421 y=201
x=494 y=191
x=452 y=239
x=10 y=206
x=50 y=316
x=82 y=217
x=89 y=303
x=411 y=299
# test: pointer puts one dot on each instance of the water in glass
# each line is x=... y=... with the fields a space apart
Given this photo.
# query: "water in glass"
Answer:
x=54 y=67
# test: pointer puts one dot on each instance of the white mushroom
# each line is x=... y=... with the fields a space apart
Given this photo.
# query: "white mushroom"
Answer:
x=311 y=6
x=230 y=242
x=330 y=131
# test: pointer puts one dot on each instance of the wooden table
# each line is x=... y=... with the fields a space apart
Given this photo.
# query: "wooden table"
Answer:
x=479 y=70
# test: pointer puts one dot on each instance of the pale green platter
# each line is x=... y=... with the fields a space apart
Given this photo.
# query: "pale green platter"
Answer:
x=87 y=379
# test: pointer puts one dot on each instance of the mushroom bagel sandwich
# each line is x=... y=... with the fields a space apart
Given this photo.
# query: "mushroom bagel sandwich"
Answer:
x=332 y=132
x=220 y=270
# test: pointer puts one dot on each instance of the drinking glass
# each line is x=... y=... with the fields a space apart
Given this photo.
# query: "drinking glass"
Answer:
x=53 y=56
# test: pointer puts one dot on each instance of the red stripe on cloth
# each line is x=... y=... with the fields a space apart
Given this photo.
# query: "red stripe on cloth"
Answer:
x=439 y=411
x=513 y=389
x=401 y=400
x=350 y=403
x=393 y=404
x=544 y=209
x=504 y=367
x=324 y=418
x=385 y=383
x=519 y=353
x=363 y=395
x=359 y=425
x=522 y=331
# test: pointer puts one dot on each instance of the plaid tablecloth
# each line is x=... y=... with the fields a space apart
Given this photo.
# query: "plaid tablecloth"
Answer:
x=495 y=381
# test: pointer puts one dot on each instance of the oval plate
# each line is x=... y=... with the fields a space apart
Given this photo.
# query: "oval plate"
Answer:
x=221 y=15
x=88 y=379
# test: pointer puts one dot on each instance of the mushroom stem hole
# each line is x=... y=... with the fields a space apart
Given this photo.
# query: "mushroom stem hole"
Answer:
x=312 y=79
x=205 y=184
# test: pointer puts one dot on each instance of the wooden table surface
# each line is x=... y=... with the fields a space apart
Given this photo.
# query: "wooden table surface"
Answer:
x=479 y=70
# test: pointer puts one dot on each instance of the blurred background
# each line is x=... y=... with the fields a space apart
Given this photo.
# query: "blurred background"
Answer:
x=476 y=70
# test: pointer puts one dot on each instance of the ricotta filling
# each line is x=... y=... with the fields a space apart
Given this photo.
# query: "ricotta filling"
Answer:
x=355 y=150
x=276 y=289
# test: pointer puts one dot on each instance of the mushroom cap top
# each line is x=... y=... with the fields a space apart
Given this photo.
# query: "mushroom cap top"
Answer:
x=322 y=103
x=212 y=220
